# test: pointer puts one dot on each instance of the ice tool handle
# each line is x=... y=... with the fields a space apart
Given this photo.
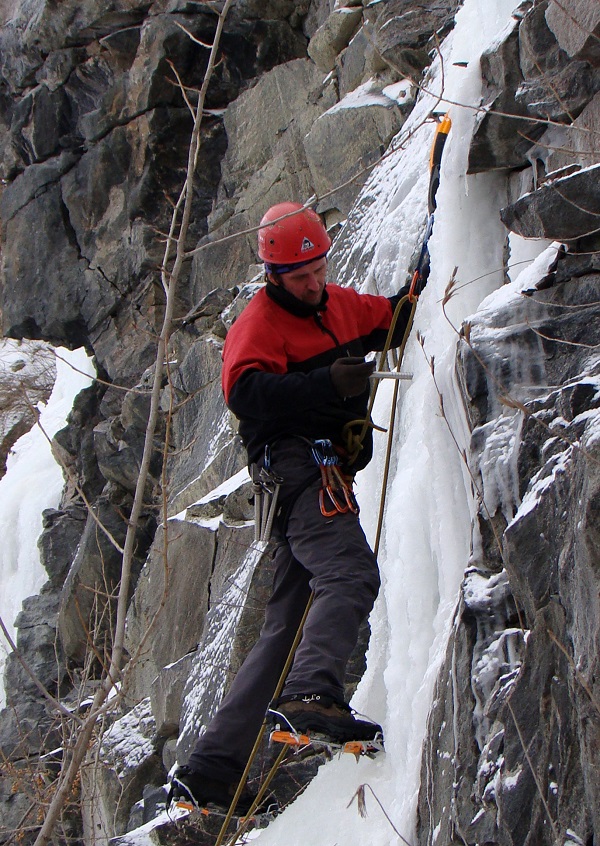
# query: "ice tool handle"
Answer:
x=421 y=274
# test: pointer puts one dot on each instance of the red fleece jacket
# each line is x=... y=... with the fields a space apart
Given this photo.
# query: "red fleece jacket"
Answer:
x=276 y=365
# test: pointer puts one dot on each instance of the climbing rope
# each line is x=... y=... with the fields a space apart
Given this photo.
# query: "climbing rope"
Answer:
x=353 y=441
x=244 y=777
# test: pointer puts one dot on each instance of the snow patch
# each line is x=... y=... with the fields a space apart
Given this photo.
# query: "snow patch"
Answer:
x=130 y=740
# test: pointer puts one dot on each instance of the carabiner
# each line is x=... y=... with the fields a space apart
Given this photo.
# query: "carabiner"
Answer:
x=324 y=511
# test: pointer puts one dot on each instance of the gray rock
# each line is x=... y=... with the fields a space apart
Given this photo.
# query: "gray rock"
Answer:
x=577 y=29
x=561 y=209
x=554 y=87
x=237 y=615
x=517 y=639
x=332 y=36
x=369 y=120
x=59 y=541
x=50 y=256
x=36 y=641
x=74 y=445
x=404 y=30
x=27 y=725
x=27 y=731
x=128 y=761
x=174 y=605
x=265 y=164
x=166 y=695
x=201 y=461
x=317 y=14
x=93 y=577
x=500 y=142
x=527 y=75
x=14 y=802
x=169 y=754
x=577 y=144
x=361 y=62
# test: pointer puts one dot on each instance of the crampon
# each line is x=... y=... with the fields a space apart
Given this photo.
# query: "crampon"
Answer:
x=320 y=743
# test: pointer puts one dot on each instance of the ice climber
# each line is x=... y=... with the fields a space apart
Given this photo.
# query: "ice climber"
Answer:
x=294 y=374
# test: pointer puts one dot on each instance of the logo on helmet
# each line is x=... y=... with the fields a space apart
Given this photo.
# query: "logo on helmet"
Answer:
x=307 y=244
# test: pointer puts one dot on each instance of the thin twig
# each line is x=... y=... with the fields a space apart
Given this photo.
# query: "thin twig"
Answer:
x=359 y=796
x=43 y=690
x=534 y=774
x=75 y=756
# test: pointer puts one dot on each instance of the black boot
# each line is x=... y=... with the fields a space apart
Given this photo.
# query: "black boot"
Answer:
x=191 y=786
x=323 y=715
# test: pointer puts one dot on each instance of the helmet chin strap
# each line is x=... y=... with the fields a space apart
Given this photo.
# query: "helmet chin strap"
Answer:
x=270 y=267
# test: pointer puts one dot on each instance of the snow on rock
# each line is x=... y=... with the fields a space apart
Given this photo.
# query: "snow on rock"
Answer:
x=207 y=681
x=498 y=443
x=129 y=741
x=366 y=94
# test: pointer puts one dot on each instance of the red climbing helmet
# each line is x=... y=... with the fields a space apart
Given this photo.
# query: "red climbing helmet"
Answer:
x=299 y=238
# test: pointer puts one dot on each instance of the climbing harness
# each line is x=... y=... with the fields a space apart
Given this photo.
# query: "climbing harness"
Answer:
x=336 y=495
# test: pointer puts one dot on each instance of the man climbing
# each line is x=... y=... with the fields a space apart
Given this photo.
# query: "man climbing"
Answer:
x=294 y=374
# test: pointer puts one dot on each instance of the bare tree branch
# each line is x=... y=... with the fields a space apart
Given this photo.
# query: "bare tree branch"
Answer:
x=169 y=281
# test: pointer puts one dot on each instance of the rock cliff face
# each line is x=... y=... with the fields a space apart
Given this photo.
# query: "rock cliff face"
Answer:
x=306 y=97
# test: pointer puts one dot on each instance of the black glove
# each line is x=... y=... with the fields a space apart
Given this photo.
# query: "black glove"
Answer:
x=350 y=376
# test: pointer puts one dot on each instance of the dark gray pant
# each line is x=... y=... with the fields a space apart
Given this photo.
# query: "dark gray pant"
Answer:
x=331 y=557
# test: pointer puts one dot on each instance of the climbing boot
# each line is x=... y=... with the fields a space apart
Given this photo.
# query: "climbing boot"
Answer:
x=190 y=786
x=329 y=718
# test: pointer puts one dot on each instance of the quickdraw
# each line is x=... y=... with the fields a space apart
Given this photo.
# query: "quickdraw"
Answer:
x=265 y=486
x=336 y=495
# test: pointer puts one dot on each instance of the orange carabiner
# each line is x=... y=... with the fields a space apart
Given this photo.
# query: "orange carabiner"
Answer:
x=351 y=501
x=324 y=511
x=341 y=507
x=345 y=483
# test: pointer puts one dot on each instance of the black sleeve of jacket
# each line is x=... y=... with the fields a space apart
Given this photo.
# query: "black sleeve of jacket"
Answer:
x=262 y=396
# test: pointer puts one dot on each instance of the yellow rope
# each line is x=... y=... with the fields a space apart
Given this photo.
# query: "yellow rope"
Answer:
x=353 y=442
x=258 y=742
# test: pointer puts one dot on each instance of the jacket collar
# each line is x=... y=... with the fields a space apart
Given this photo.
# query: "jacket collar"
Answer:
x=292 y=304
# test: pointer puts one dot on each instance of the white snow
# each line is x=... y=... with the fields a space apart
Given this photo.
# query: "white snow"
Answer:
x=542 y=481
x=229 y=486
x=130 y=740
x=401 y=91
x=33 y=482
x=498 y=463
x=365 y=95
